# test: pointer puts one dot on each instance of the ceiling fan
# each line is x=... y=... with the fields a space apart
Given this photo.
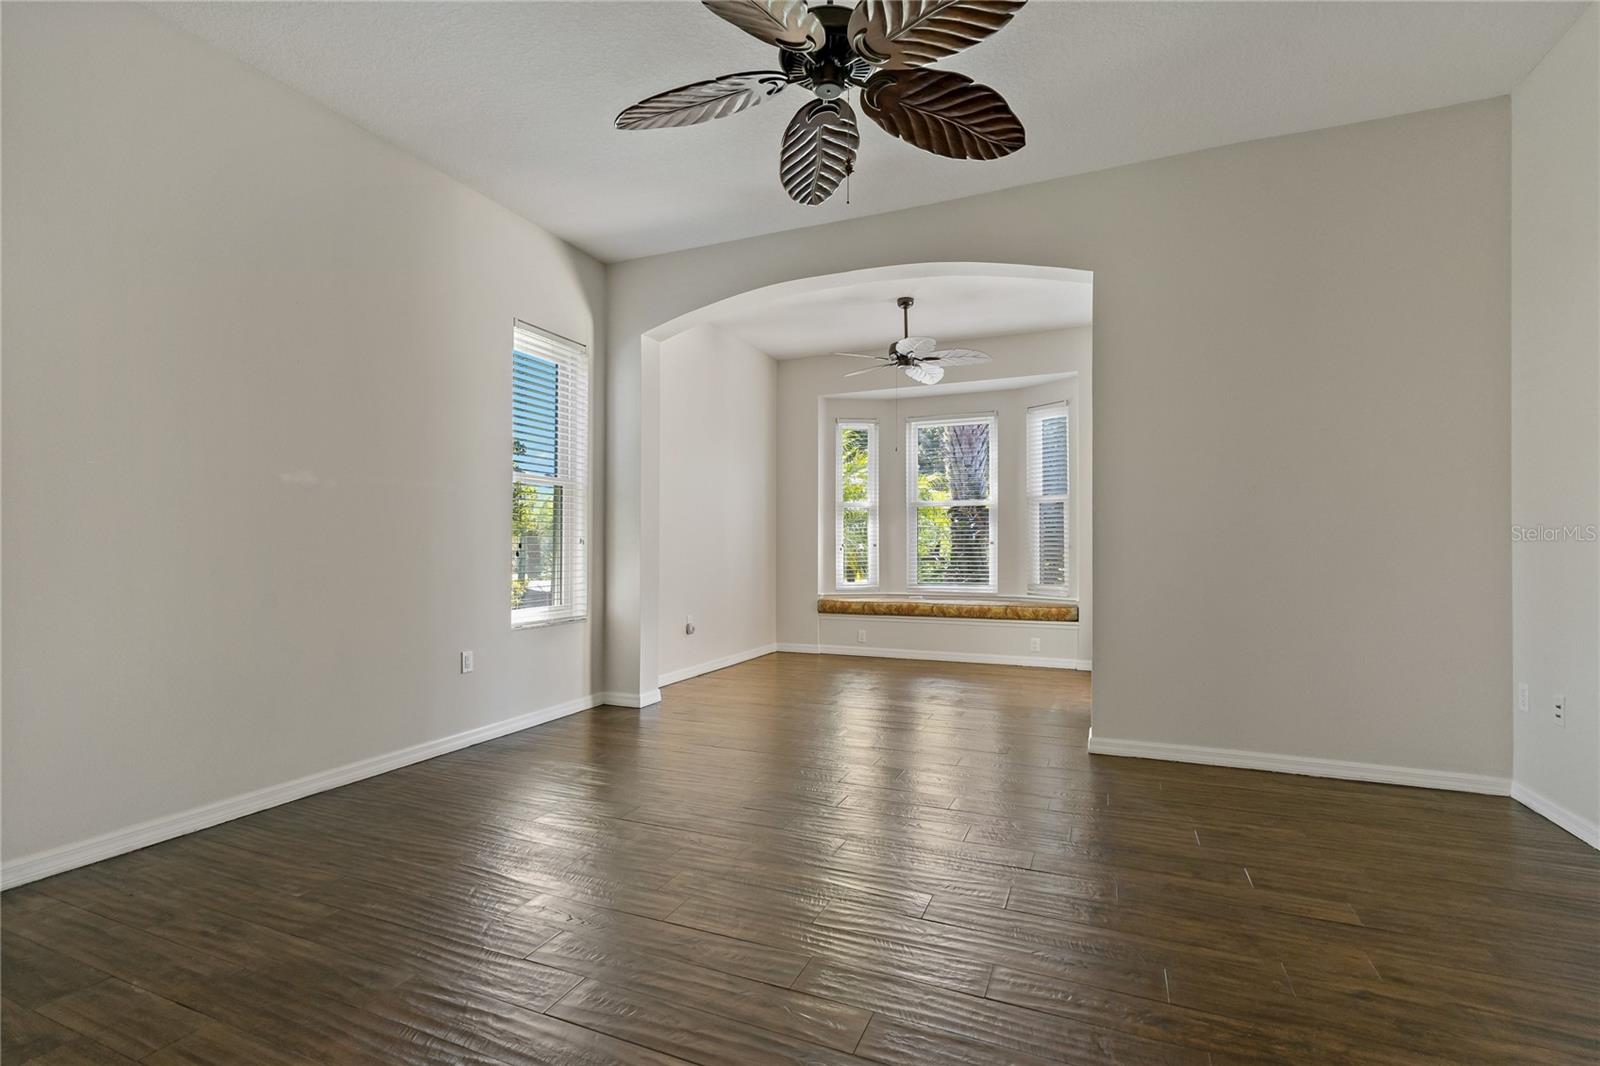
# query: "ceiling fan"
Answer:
x=881 y=47
x=917 y=355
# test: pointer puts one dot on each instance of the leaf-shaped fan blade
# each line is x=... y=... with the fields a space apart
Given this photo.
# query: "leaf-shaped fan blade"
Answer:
x=818 y=148
x=943 y=112
x=925 y=375
x=858 y=355
x=702 y=101
x=789 y=24
x=914 y=346
x=910 y=33
x=868 y=370
x=956 y=357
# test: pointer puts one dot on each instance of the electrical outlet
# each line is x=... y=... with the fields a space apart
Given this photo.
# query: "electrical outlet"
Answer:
x=1522 y=697
x=861 y=636
x=1561 y=711
x=1033 y=643
x=688 y=625
x=466 y=662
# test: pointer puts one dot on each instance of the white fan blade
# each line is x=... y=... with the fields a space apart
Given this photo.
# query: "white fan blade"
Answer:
x=857 y=355
x=925 y=374
x=957 y=357
x=914 y=346
x=869 y=370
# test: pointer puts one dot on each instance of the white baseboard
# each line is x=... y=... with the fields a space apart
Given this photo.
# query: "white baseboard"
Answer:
x=674 y=676
x=1297 y=764
x=1574 y=823
x=71 y=856
x=628 y=699
x=937 y=656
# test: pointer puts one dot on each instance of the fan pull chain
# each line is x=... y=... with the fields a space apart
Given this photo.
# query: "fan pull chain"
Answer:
x=850 y=163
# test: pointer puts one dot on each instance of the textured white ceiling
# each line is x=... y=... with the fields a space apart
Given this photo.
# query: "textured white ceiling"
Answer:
x=864 y=318
x=516 y=99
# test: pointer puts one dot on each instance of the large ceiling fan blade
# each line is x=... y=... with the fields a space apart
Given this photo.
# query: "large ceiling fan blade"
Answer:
x=898 y=34
x=924 y=374
x=915 y=347
x=819 y=147
x=702 y=101
x=858 y=355
x=868 y=370
x=943 y=112
x=789 y=24
x=956 y=357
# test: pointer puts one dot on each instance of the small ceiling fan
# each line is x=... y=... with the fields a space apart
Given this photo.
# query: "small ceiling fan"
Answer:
x=917 y=355
x=881 y=47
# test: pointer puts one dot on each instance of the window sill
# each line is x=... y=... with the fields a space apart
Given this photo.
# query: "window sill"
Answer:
x=544 y=623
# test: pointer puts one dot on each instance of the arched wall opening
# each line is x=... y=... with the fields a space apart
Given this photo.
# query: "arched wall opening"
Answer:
x=1035 y=318
x=1274 y=586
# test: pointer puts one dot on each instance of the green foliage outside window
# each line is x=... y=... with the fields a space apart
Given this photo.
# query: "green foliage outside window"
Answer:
x=855 y=446
x=535 y=542
x=952 y=541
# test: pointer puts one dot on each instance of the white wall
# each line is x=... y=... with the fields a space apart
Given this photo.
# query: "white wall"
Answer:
x=256 y=413
x=719 y=502
x=1555 y=426
x=1302 y=480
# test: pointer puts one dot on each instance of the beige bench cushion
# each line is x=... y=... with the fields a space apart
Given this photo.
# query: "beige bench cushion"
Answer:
x=1010 y=611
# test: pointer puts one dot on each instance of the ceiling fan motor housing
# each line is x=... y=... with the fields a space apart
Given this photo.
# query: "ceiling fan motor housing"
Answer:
x=834 y=67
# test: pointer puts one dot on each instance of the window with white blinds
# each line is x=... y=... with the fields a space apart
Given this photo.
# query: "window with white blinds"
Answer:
x=950 y=497
x=856 y=504
x=1049 y=499
x=549 y=477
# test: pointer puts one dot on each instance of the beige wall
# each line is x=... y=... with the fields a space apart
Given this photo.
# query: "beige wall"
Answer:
x=719 y=501
x=256 y=412
x=1555 y=426
x=1302 y=480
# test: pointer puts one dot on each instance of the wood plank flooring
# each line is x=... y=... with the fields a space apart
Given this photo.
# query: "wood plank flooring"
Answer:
x=823 y=861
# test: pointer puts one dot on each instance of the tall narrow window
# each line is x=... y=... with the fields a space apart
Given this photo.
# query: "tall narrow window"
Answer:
x=856 y=505
x=950 y=489
x=1049 y=499
x=549 y=477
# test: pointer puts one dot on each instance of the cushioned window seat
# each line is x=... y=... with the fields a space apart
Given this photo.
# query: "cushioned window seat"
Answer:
x=982 y=610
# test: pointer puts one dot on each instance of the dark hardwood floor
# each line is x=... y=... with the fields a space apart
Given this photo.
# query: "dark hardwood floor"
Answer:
x=824 y=861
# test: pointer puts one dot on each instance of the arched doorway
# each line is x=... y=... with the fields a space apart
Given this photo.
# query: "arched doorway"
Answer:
x=1002 y=294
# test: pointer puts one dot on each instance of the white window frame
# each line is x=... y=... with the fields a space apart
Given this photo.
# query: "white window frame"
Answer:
x=571 y=476
x=874 y=578
x=992 y=420
x=1036 y=415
